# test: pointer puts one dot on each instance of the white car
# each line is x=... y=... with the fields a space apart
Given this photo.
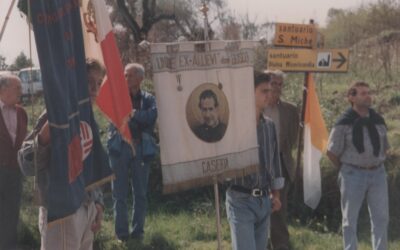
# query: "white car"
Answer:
x=5 y=72
x=31 y=81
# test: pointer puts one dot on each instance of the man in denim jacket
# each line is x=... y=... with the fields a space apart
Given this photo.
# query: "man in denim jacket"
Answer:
x=250 y=200
x=133 y=165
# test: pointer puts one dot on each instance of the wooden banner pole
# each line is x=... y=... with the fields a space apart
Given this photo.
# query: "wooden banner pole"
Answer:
x=204 y=9
x=217 y=211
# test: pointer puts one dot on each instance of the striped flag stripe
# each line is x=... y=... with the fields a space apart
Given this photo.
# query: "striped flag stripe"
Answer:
x=315 y=142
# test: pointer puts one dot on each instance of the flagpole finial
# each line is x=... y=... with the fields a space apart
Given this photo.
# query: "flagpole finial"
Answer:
x=204 y=9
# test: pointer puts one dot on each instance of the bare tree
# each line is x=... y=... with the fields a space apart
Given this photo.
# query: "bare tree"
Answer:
x=158 y=21
x=150 y=15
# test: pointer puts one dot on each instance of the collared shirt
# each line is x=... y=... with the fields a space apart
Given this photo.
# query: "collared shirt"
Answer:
x=273 y=114
x=137 y=100
x=210 y=134
x=341 y=144
x=269 y=175
x=10 y=119
x=137 y=104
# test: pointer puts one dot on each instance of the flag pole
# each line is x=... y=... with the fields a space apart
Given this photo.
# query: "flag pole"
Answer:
x=204 y=9
x=30 y=81
x=216 y=193
x=6 y=19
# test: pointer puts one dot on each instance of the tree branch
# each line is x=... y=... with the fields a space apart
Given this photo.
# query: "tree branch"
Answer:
x=153 y=7
x=149 y=17
x=164 y=17
x=183 y=30
x=132 y=24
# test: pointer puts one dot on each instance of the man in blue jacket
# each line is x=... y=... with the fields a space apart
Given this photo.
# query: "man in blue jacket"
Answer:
x=133 y=165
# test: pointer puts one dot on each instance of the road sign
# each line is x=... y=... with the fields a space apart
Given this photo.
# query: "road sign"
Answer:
x=306 y=60
x=295 y=35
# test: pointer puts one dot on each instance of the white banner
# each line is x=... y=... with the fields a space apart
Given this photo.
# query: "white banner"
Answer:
x=206 y=110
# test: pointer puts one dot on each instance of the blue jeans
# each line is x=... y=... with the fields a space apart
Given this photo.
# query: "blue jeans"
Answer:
x=248 y=218
x=134 y=170
x=355 y=185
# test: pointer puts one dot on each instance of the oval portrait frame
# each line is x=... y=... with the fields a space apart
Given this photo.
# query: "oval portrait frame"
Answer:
x=194 y=117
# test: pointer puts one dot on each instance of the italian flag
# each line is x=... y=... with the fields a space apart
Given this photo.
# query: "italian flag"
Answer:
x=113 y=97
x=315 y=142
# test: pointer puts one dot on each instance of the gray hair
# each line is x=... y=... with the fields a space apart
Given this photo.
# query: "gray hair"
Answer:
x=139 y=69
x=5 y=80
x=275 y=73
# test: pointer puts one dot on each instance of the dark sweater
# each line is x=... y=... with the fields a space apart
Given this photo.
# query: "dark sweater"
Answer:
x=8 y=151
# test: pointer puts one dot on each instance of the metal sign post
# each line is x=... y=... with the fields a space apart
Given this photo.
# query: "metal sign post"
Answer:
x=301 y=130
x=300 y=136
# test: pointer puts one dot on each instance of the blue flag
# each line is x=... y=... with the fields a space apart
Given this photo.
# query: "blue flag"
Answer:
x=78 y=159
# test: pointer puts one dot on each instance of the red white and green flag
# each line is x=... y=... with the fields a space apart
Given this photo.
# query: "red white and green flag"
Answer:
x=113 y=98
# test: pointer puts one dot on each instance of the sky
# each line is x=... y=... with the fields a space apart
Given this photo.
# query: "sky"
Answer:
x=16 y=36
x=291 y=11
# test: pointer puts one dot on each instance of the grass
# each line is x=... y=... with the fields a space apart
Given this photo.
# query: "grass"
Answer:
x=183 y=222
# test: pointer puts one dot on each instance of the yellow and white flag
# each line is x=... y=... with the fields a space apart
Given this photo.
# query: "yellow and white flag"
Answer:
x=315 y=142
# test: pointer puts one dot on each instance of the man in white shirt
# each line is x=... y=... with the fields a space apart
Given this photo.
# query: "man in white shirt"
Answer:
x=13 y=127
